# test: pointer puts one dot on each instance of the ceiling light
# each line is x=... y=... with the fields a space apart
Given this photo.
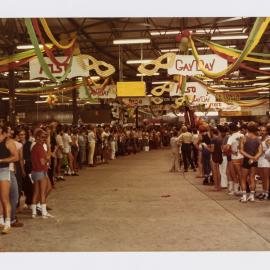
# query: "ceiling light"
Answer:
x=144 y=61
x=43 y=96
x=231 y=46
x=232 y=19
x=169 y=32
x=95 y=78
x=131 y=41
x=29 y=81
x=161 y=82
x=30 y=46
x=263 y=92
x=211 y=31
x=262 y=77
x=6 y=98
x=217 y=86
x=169 y=50
x=264 y=68
x=229 y=37
x=259 y=84
x=141 y=75
x=40 y=101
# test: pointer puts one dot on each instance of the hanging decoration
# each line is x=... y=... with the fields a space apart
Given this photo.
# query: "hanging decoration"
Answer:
x=16 y=64
x=254 y=38
x=160 y=90
x=51 y=100
x=49 y=53
x=52 y=38
x=231 y=52
x=236 y=81
x=158 y=64
x=95 y=65
x=41 y=59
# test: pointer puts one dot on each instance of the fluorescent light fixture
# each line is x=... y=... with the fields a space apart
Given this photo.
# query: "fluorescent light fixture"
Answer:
x=30 y=46
x=262 y=77
x=217 y=86
x=232 y=19
x=40 y=101
x=169 y=50
x=142 y=75
x=229 y=37
x=169 y=32
x=231 y=46
x=149 y=95
x=94 y=78
x=139 y=61
x=161 y=82
x=260 y=84
x=131 y=41
x=263 y=92
x=264 y=68
x=43 y=96
x=211 y=31
x=29 y=81
x=6 y=98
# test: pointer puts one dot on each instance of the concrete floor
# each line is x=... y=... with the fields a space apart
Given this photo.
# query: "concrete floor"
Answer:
x=134 y=204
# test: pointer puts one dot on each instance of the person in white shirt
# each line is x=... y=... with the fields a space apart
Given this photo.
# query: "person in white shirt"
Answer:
x=59 y=149
x=92 y=145
x=174 y=142
x=237 y=158
x=67 y=150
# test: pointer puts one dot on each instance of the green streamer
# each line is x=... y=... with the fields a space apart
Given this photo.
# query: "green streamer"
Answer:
x=41 y=59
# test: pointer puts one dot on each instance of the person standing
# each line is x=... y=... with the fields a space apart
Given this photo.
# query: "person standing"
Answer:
x=174 y=142
x=251 y=149
x=40 y=159
x=92 y=145
x=8 y=154
x=264 y=163
x=186 y=141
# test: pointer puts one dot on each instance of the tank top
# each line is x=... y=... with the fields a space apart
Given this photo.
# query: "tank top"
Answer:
x=251 y=146
x=4 y=153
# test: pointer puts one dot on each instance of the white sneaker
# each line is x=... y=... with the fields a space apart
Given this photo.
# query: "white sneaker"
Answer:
x=251 y=198
x=34 y=215
x=231 y=192
x=47 y=215
x=243 y=199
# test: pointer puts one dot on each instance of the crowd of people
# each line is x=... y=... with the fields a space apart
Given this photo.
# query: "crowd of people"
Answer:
x=234 y=156
x=34 y=159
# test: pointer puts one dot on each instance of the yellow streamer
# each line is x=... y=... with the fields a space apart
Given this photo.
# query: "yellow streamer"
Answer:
x=52 y=38
x=235 y=65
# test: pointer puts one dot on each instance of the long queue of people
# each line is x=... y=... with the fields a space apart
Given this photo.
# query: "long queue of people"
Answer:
x=228 y=156
x=33 y=160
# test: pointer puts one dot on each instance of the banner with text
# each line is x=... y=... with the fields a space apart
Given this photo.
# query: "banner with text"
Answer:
x=188 y=66
x=36 y=70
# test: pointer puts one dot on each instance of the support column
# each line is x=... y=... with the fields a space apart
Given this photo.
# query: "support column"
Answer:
x=75 y=111
x=11 y=87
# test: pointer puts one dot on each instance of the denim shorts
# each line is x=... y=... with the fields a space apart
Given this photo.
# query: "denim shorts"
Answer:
x=38 y=176
x=4 y=174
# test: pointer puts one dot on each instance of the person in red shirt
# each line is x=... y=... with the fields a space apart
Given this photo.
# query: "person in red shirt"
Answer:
x=39 y=159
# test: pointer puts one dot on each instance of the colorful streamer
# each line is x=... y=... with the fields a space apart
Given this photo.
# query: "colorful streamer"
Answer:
x=254 y=38
x=49 y=52
x=41 y=59
x=52 y=38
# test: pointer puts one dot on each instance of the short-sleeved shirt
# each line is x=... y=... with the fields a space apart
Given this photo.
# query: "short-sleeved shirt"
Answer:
x=234 y=141
x=38 y=152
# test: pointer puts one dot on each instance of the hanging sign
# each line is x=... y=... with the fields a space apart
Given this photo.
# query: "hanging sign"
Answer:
x=136 y=102
x=106 y=92
x=36 y=70
x=131 y=89
x=187 y=64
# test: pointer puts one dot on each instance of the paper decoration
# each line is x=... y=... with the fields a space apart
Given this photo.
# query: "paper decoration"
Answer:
x=131 y=89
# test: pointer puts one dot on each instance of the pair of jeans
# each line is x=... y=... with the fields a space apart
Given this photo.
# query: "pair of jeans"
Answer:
x=206 y=156
x=13 y=195
x=186 y=154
